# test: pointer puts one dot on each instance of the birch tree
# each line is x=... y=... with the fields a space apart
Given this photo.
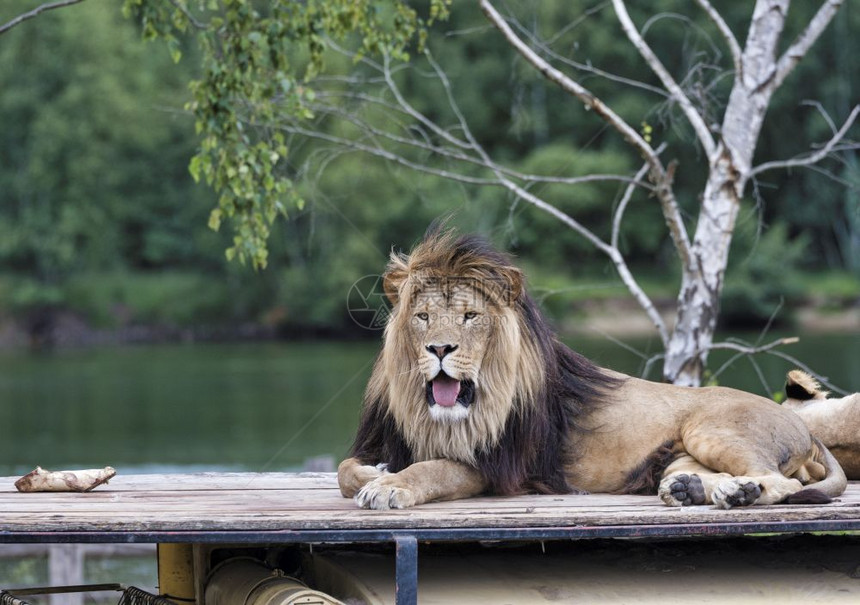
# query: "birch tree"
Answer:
x=443 y=144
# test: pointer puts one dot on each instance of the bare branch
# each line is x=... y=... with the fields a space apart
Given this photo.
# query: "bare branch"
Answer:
x=184 y=10
x=731 y=360
x=686 y=21
x=578 y=180
x=502 y=178
x=823 y=380
x=694 y=117
x=836 y=179
x=755 y=349
x=35 y=13
x=659 y=176
x=462 y=151
x=387 y=76
x=649 y=364
x=408 y=109
x=622 y=206
x=723 y=27
x=826 y=116
x=424 y=144
x=792 y=56
x=620 y=343
x=771 y=349
x=672 y=216
x=759 y=373
x=387 y=155
x=621 y=264
x=587 y=14
x=812 y=158
x=570 y=86
x=748 y=352
x=401 y=100
x=613 y=253
x=586 y=67
x=750 y=357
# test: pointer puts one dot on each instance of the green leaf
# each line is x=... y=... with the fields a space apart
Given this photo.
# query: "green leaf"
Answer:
x=215 y=219
x=194 y=168
x=173 y=48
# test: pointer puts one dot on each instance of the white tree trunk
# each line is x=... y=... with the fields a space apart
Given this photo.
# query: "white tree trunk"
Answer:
x=729 y=170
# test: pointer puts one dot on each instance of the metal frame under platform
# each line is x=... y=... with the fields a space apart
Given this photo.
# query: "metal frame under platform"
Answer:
x=285 y=508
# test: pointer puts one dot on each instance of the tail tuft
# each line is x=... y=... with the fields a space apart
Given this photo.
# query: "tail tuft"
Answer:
x=808 y=496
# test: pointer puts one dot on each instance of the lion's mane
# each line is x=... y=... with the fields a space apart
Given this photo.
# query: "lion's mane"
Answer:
x=532 y=392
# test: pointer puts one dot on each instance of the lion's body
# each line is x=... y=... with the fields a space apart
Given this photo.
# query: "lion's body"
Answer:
x=724 y=429
x=472 y=393
x=835 y=421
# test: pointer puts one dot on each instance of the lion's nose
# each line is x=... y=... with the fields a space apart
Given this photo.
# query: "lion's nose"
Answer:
x=441 y=350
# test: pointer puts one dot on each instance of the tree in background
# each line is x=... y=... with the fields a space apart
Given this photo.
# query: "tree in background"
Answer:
x=264 y=81
x=93 y=168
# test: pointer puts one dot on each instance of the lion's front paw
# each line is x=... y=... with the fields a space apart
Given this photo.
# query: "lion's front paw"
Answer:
x=682 y=490
x=352 y=476
x=384 y=493
x=737 y=491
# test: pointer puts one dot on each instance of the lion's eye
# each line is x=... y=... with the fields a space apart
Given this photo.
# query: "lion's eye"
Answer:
x=470 y=315
x=422 y=316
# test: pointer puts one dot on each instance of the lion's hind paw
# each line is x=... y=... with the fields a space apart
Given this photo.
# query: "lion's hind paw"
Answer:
x=682 y=490
x=737 y=491
x=383 y=494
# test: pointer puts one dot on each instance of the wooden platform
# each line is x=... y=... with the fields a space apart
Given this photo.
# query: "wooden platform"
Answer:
x=283 y=507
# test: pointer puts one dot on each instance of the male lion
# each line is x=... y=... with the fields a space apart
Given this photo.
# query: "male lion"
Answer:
x=836 y=421
x=472 y=393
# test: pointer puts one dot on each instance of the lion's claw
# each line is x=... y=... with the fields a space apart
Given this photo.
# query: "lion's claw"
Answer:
x=384 y=494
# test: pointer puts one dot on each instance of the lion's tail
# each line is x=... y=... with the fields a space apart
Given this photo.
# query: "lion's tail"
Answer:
x=832 y=485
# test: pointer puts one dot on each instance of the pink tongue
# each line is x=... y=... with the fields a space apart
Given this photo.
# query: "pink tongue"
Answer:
x=445 y=390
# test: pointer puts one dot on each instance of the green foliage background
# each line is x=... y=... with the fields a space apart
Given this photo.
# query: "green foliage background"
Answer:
x=100 y=216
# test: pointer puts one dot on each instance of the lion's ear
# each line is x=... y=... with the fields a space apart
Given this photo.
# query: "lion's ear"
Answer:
x=515 y=282
x=395 y=275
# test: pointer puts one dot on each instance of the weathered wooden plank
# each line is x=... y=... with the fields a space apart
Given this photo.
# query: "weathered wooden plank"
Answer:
x=158 y=485
x=282 y=501
x=286 y=500
x=249 y=502
x=299 y=520
x=208 y=481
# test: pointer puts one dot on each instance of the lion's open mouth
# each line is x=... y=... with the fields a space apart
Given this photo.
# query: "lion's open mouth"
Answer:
x=446 y=391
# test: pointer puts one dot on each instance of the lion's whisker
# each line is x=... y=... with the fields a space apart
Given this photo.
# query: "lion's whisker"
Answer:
x=415 y=370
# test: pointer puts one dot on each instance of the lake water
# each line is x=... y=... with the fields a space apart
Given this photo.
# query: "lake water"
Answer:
x=257 y=407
